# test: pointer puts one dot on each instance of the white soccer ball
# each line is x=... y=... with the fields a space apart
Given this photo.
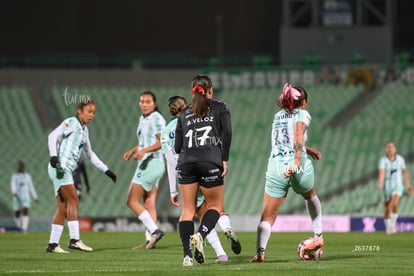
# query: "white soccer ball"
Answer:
x=308 y=255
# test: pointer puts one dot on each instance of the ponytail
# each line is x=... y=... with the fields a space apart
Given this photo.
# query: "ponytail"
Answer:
x=199 y=102
x=199 y=105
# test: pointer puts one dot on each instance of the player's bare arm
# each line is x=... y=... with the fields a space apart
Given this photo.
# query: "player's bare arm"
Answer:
x=225 y=170
x=380 y=178
x=298 y=141
x=314 y=153
x=407 y=182
x=128 y=154
x=138 y=155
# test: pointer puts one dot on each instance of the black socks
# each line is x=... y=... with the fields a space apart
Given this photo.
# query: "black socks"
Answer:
x=186 y=229
x=208 y=222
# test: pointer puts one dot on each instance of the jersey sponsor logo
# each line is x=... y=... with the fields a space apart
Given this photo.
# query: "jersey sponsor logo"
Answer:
x=282 y=154
x=209 y=178
x=172 y=134
x=285 y=116
x=204 y=228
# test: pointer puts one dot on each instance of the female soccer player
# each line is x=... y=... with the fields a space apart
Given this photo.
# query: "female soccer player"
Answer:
x=150 y=168
x=175 y=105
x=22 y=188
x=66 y=143
x=202 y=139
x=391 y=174
x=289 y=166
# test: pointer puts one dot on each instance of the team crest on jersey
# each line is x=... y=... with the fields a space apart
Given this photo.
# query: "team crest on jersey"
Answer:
x=172 y=134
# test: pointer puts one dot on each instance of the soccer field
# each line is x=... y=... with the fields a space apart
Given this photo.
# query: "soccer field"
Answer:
x=344 y=254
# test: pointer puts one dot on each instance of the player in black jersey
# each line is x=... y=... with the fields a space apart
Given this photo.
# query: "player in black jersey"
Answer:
x=76 y=174
x=202 y=139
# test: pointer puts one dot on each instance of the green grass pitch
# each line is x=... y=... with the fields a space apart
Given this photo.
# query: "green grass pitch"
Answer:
x=344 y=254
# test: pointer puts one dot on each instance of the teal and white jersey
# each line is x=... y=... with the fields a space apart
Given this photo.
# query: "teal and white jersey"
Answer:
x=283 y=130
x=392 y=171
x=68 y=140
x=148 y=127
x=168 y=136
x=21 y=184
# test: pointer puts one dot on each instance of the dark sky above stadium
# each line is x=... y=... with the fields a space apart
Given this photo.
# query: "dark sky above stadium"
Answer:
x=200 y=27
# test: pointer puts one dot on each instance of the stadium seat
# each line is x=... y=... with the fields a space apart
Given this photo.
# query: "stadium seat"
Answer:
x=348 y=153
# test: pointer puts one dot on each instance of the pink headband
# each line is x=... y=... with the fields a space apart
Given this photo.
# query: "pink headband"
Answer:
x=198 y=89
x=289 y=92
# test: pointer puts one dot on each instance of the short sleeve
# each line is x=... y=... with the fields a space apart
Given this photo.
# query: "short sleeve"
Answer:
x=305 y=117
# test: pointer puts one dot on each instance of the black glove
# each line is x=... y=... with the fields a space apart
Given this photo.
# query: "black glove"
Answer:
x=111 y=175
x=53 y=161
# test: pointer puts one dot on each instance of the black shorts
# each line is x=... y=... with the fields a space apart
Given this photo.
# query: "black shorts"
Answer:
x=206 y=174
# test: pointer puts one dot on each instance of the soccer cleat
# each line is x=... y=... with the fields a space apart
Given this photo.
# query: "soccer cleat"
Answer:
x=197 y=241
x=393 y=230
x=388 y=231
x=316 y=243
x=155 y=237
x=55 y=248
x=233 y=240
x=258 y=258
x=188 y=261
x=79 y=245
x=222 y=259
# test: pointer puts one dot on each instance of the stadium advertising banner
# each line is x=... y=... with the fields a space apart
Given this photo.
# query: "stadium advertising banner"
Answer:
x=261 y=79
x=374 y=224
x=304 y=224
x=275 y=78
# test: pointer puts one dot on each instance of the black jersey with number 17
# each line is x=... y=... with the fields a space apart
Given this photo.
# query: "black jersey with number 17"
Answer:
x=204 y=139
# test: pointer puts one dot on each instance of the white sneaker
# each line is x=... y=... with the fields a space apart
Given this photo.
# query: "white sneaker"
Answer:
x=79 y=245
x=388 y=230
x=55 y=248
x=188 y=261
x=197 y=241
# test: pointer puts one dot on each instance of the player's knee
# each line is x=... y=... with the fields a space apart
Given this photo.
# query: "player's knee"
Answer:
x=187 y=213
